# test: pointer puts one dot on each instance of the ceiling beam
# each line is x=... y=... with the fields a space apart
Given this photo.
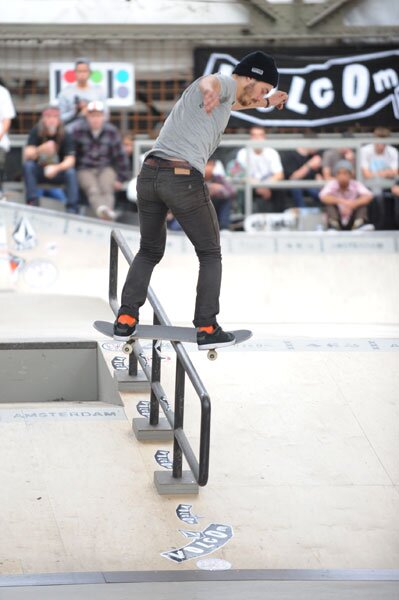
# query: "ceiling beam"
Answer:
x=260 y=7
x=329 y=8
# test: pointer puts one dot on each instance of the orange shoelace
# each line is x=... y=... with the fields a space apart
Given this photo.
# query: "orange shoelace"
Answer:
x=127 y=320
x=208 y=329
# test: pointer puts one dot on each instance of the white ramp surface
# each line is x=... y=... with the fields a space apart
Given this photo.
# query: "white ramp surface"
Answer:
x=304 y=436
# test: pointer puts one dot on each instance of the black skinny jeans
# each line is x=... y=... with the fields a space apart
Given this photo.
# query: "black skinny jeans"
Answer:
x=160 y=189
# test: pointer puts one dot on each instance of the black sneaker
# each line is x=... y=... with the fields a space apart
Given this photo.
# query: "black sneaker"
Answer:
x=217 y=339
x=124 y=327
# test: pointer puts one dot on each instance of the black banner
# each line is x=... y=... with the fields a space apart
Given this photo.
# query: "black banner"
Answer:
x=338 y=90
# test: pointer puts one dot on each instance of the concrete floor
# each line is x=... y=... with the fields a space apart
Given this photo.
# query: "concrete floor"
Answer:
x=305 y=422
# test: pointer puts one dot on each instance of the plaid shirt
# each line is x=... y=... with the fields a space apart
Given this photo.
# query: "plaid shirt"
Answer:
x=104 y=151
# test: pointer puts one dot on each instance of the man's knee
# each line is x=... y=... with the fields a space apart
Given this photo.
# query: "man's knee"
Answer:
x=152 y=253
x=70 y=174
x=29 y=166
x=213 y=254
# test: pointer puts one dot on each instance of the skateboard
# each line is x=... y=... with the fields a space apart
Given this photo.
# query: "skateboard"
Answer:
x=167 y=333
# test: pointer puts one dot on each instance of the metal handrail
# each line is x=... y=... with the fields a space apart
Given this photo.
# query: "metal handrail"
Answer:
x=184 y=366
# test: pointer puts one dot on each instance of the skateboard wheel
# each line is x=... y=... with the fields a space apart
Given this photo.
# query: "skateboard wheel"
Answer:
x=127 y=348
x=212 y=354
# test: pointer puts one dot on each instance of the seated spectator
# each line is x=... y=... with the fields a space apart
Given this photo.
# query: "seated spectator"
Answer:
x=7 y=113
x=220 y=192
x=302 y=163
x=332 y=156
x=101 y=160
x=73 y=99
x=395 y=195
x=49 y=157
x=380 y=161
x=262 y=164
x=346 y=200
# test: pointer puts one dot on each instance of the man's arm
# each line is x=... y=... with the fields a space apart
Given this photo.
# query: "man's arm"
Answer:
x=210 y=90
x=362 y=200
x=278 y=99
x=330 y=199
x=67 y=106
x=5 y=126
x=54 y=170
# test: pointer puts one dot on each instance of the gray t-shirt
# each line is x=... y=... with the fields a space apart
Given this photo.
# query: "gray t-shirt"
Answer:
x=191 y=134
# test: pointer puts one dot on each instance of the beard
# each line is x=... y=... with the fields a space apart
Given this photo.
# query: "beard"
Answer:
x=245 y=99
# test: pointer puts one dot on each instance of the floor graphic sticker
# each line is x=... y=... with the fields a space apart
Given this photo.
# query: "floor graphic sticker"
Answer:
x=119 y=363
x=213 y=564
x=143 y=408
x=204 y=542
x=162 y=458
x=183 y=512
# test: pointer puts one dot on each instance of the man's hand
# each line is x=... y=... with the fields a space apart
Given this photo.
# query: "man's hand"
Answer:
x=347 y=207
x=278 y=99
x=211 y=99
x=315 y=162
x=118 y=186
x=51 y=171
x=264 y=193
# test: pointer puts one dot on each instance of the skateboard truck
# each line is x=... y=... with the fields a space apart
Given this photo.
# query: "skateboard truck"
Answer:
x=127 y=348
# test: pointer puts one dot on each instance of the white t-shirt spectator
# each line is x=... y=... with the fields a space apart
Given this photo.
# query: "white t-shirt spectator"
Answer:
x=369 y=159
x=7 y=111
x=262 y=165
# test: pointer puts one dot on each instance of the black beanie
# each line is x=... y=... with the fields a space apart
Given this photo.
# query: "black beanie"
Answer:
x=258 y=65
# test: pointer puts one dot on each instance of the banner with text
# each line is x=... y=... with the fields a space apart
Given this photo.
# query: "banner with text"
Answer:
x=341 y=90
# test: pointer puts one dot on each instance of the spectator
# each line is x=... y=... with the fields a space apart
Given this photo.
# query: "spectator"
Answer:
x=128 y=146
x=263 y=164
x=346 y=200
x=221 y=193
x=101 y=160
x=379 y=160
x=302 y=163
x=49 y=157
x=126 y=198
x=395 y=195
x=332 y=156
x=73 y=99
x=7 y=113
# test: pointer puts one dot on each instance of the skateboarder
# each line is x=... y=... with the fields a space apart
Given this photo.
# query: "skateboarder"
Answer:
x=172 y=178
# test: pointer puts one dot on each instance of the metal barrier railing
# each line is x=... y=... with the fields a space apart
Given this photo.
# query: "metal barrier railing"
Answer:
x=281 y=142
x=184 y=366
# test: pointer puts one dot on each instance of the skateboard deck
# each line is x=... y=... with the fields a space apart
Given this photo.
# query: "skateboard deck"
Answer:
x=166 y=333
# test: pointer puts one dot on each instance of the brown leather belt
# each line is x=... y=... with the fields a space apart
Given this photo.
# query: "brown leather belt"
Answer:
x=157 y=161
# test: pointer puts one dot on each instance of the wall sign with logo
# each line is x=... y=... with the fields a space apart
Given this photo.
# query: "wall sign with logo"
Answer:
x=115 y=78
x=338 y=90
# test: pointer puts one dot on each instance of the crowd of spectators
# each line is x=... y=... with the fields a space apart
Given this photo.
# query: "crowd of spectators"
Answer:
x=75 y=155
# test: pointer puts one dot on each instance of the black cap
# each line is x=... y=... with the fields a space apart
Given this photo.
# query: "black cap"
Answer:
x=260 y=66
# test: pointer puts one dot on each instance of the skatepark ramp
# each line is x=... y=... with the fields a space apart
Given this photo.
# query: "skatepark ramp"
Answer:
x=179 y=481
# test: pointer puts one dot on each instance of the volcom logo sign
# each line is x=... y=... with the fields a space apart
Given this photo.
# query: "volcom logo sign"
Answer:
x=203 y=542
x=338 y=90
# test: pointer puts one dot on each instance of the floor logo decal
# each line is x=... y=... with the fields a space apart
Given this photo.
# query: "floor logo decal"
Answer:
x=183 y=512
x=203 y=542
x=162 y=458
